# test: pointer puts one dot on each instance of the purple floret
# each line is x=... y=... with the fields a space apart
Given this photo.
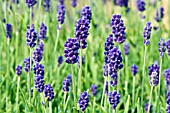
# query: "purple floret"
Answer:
x=114 y=99
x=30 y=3
x=93 y=89
x=8 y=31
x=31 y=36
x=162 y=47
x=19 y=70
x=134 y=69
x=83 y=100
x=147 y=33
x=66 y=83
x=48 y=92
x=140 y=5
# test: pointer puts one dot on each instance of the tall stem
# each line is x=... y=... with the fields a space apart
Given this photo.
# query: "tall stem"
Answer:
x=56 y=42
x=80 y=72
x=73 y=83
x=109 y=92
x=29 y=77
x=101 y=103
x=50 y=106
x=65 y=94
x=18 y=84
x=143 y=74
x=133 y=94
x=127 y=75
x=159 y=88
x=150 y=99
x=94 y=103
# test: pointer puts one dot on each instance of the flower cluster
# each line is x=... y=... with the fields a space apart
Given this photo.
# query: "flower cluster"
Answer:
x=93 y=89
x=167 y=78
x=27 y=64
x=8 y=31
x=38 y=53
x=46 y=5
x=118 y=28
x=38 y=69
x=86 y=13
x=60 y=60
x=66 y=83
x=30 y=3
x=43 y=31
x=162 y=47
x=126 y=48
x=71 y=50
x=61 y=12
x=146 y=107
x=114 y=98
x=159 y=14
x=121 y=3
x=83 y=100
x=153 y=72
x=147 y=33
x=31 y=36
x=141 y=5
x=168 y=47
x=48 y=92
x=106 y=87
x=134 y=69
x=74 y=3
x=168 y=102
x=19 y=70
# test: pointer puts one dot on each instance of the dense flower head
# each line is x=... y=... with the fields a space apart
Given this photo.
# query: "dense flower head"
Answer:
x=105 y=69
x=31 y=36
x=38 y=52
x=61 y=14
x=106 y=88
x=168 y=47
x=114 y=99
x=48 y=92
x=153 y=72
x=83 y=100
x=60 y=60
x=168 y=109
x=38 y=69
x=61 y=2
x=134 y=69
x=167 y=78
x=71 y=51
x=140 y=5
x=27 y=64
x=39 y=83
x=168 y=98
x=8 y=31
x=109 y=44
x=30 y=3
x=86 y=13
x=121 y=3
x=66 y=83
x=147 y=33
x=46 y=5
x=159 y=14
x=74 y=3
x=162 y=47
x=43 y=31
x=93 y=89
x=81 y=32
x=146 y=107
x=126 y=48
x=19 y=70
x=118 y=28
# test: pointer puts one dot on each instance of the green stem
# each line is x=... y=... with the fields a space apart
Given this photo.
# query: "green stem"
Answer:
x=101 y=103
x=94 y=103
x=65 y=94
x=113 y=111
x=150 y=99
x=133 y=94
x=127 y=75
x=73 y=83
x=50 y=106
x=143 y=74
x=29 y=77
x=80 y=72
x=56 y=43
x=30 y=16
x=18 y=84
x=159 y=91
x=109 y=92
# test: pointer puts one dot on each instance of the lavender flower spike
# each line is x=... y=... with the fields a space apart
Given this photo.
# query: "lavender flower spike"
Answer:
x=153 y=72
x=147 y=33
x=38 y=70
x=19 y=70
x=159 y=14
x=126 y=48
x=48 y=92
x=39 y=83
x=118 y=28
x=167 y=78
x=168 y=47
x=46 y=5
x=74 y=3
x=86 y=13
x=61 y=13
x=83 y=100
x=43 y=31
x=141 y=5
x=38 y=53
x=66 y=83
x=93 y=89
x=134 y=69
x=30 y=3
x=162 y=47
x=60 y=60
x=168 y=102
x=146 y=107
x=114 y=98
x=31 y=36
x=8 y=31
x=27 y=64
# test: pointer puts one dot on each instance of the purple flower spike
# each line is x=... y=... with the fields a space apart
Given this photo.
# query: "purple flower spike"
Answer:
x=61 y=13
x=81 y=32
x=118 y=28
x=86 y=13
x=39 y=83
x=159 y=14
x=167 y=78
x=61 y=2
x=162 y=47
x=31 y=3
x=71 y=51
x=147 y=33
x=146 y=107
x=153 y=74
x=81 y=60
x=114 y=98
x=168 y=102
x=19 y=70
x=27 y=64
x=121 y=3
x=74 y=3
x=38 y=53
x=141 y=5
x=126 y=48
x=83 y=100
x=105 y=70
x=8 y=31
x=168 y=47
x=66 y=83
x=60 y=60
x=38 y=70
x=106 y=88
x=168 y=109
x=48 y=92
x=43 y=31
x=93 y=89
x=46 y=5
x=134 y=69
x=31 y=36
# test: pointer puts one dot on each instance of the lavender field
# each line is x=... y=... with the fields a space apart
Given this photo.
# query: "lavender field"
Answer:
x=84 y=56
